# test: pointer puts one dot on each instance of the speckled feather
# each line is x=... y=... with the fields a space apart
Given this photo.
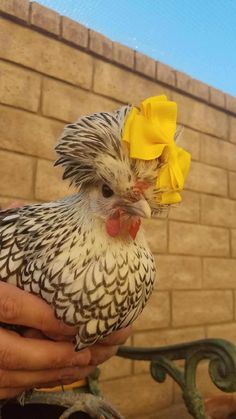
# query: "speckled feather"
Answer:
x=61 y=250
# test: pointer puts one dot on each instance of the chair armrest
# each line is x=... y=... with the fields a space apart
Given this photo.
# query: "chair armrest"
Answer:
x=222 y=367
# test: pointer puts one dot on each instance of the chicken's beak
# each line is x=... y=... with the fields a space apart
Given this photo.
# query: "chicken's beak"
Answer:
x=141 y=208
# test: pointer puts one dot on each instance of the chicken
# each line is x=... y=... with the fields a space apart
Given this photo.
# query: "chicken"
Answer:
x=87 y=254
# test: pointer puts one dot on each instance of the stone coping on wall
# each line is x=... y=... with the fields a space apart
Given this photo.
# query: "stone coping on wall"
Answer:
x=69 y=31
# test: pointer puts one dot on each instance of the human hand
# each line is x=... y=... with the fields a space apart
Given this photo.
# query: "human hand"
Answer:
x=221 y=406
x=30 y=361
x=34 y=361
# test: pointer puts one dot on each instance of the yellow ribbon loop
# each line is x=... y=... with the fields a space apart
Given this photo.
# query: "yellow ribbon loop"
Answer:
x=150 y=131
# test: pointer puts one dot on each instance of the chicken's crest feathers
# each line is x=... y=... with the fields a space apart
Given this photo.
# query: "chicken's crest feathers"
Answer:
x=91 y=149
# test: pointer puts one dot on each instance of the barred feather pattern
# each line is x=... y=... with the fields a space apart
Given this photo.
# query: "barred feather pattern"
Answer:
x=61 y=250
x=83 y=144
x=62 y=253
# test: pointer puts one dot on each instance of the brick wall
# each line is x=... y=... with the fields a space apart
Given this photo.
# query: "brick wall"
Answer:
x=52 y=70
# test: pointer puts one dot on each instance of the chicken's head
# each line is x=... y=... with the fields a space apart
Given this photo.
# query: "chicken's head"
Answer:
x=122 y=188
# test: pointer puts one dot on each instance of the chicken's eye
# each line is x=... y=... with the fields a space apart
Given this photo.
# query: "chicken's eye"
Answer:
x=106 y=191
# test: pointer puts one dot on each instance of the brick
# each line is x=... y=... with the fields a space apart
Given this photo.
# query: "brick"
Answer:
x=199 y=240
x=156 y=314
x=200 y=89
x=164 y=338
x=234 y=305
x=165 y=74
x=232 y=185
x=192 y=86
x=232 y=129
x=68 y=103
x=209 y=179
x=175 y=411
x=184 y=82
x=217 y=97
x=188 y=209
x=222 y=331
x=15 y=8
x=178 y=272
x=45 y=18
x=156 y=235
x=46 y=55
x=115 y=367
x=122 y=85
x=201 y=307
x=74 y=32
x=230 y=103
x=16 y=173
x=233 y=242
x=204 y=381
x=204 y=385
x=99 y=44
x=145 y=65
x=200 y=116
x=51 y=176
x=219 y=273
x=168 y=337
x=218 y=153
x=218 y=211
x=123 y=55
x=138 y=395
x=28 y=133
x=19 y=87
x=191 y=141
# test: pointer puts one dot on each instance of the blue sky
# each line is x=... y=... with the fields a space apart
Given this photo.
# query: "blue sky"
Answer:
x=197 y=37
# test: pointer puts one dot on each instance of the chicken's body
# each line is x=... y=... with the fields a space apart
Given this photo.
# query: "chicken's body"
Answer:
x=62 y=252
x=87 y=255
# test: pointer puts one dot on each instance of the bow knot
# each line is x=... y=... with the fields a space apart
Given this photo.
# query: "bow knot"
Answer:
x=150 y=134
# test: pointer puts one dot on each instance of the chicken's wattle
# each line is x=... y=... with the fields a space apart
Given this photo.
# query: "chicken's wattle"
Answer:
x=117 y=224
x=134 y=227
x=113 y=224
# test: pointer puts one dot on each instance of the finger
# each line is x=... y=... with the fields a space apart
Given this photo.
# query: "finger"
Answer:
x=18 y=307
x=101 y=353
x=36 y=334
x=89 y=370
x=117 y=338
x=17 y=352
x=10 y=393
x=32 y=379
x=65 y=381
x=59 y=338
x=33 y=334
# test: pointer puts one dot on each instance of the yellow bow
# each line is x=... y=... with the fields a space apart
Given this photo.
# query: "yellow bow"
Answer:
x=150 y=134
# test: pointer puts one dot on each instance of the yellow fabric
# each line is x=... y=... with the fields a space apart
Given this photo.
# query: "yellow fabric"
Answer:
x=150 y=131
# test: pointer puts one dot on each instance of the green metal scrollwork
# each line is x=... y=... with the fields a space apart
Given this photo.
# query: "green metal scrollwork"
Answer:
x=222 y=367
